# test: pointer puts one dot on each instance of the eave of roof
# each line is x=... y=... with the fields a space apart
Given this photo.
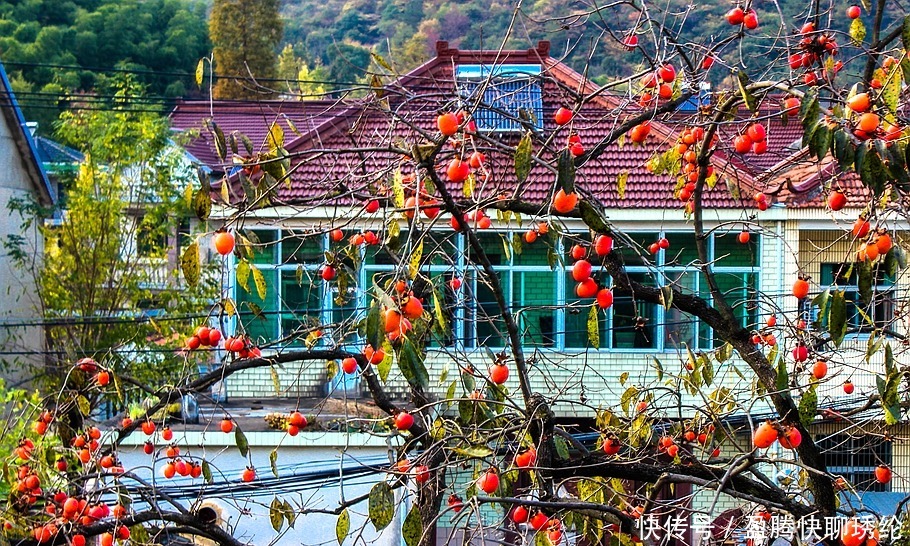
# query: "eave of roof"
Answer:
x=24 y=141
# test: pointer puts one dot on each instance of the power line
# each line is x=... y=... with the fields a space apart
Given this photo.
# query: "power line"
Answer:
x=97 y=69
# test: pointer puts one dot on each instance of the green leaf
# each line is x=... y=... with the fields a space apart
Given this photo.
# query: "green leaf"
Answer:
x=783 y=381
x=342 y=526
x=276 y=514
x=666 y=296
x=85 y=407
x=189 y=263
x=439 y=314
x=857 y=31
x=905 y=33
x=276 y=381
x=843 y=149
x=273 y=461
x=891 y=398
x=808 y=405
x=723 y=353
x=202 y=204
x=659 y=368
x=837 y=317
x=523 y=158
x=565 y=172
x=374 y=325
x=240 y=439
x=381 y=505
x=473 y=452
x=414 y=261
x=138 y=535
x=821 y=140
x=905 y=68
x=707 y=369
x=889 y=359
x=206 y=472
x=864 y=281
x=381 y=62
x=592 y=218
x=562 y=447
x=385 y=367
x=200 y=72
x=259 y=281
x=627 y=397
x=593 y=327
x=220 y=145
x=411 y=365
x=397 y=190
x=540 y=539
x=243 y=275
x=872 y=171
x=275 y=137
x=412 y=528
x=809 y=109
x=891 y=91
x=621 y=180
x=469 y=184
x=743 y=80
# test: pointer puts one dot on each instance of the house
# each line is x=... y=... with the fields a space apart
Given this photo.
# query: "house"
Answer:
x=23 y=180
x=335 y=169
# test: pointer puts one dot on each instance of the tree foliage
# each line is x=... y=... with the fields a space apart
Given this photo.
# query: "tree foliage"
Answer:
x=246 y=37
x=53 y=48
x=103 y=261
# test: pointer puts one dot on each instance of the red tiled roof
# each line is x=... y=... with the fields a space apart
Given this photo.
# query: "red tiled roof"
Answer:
x=341 y=149
x=801 y=181
x=429 y=90
x=252 y=119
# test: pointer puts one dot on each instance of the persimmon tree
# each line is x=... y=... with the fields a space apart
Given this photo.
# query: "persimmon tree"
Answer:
x=479 y=431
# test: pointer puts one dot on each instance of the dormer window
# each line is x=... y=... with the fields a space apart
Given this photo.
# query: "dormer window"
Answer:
x=508 y=98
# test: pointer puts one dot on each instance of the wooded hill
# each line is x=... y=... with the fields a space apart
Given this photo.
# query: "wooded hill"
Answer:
x=53 y=47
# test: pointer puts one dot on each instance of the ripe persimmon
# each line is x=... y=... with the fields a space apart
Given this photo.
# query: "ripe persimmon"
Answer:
x=564 y=202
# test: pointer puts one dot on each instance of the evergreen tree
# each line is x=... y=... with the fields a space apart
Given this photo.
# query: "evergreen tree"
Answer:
x=245 y=35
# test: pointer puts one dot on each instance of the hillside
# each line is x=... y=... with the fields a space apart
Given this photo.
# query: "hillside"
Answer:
x=404 y=31
x=52 y=47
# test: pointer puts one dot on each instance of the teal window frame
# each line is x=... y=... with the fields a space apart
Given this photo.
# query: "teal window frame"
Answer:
x=522 y=278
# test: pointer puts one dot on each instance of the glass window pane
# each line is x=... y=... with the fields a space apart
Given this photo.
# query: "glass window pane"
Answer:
x=682 y=249
x=265 y=326
x=301 y=250
x=739 y=290
x=634 y=322
x=680 y=328
x=263 y=245
x=577 y=310
x=636 y=254
x=301 y=304
x=533 y=302
x=449 y=300
x=377 y=255
x=485 y=316
x=493 y=247
x=534 y=253
x=440 y=248
x=729 y=252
